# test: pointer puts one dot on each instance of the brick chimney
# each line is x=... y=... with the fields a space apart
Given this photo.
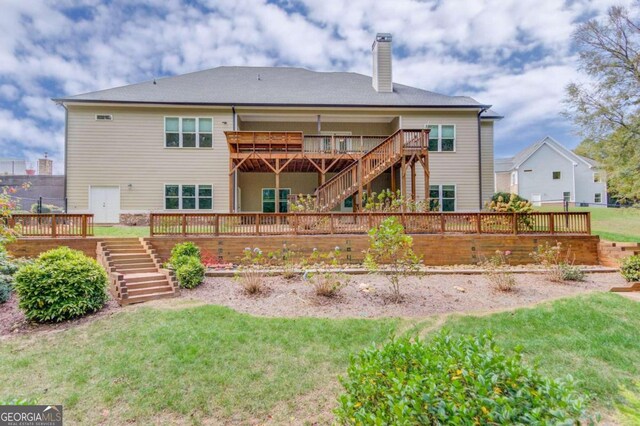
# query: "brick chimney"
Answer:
x=45 y=166
x=381 y=49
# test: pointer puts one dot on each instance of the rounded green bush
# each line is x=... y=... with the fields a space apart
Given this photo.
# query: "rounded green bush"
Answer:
x=630 y=268
x=60 y=284
x=185 y=249
x=190 y=273
x=451 y=380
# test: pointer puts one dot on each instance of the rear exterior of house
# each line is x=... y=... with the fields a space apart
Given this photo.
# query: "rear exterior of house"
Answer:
x=548 y=173
x=249 y=139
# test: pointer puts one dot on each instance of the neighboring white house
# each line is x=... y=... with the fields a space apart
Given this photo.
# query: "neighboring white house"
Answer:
x=547 y=172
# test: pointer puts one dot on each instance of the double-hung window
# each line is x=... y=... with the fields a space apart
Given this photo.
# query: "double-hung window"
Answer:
x=188 y=197
x=442 y=198
x=187 y=132
x=597 y=198
x=442 y=137
x=269 y=200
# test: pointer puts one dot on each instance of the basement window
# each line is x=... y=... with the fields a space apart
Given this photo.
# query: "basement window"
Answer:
x=442 y=198
x=188 y=197
x=104 y=117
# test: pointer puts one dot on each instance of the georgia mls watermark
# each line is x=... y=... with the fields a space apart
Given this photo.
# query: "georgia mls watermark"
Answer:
x=30 y=415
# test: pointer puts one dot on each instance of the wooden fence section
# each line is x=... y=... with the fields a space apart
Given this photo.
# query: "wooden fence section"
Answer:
x=52 y=225
x=208 y=224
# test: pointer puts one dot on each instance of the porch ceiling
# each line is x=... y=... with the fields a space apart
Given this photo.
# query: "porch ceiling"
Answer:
x=300 y=165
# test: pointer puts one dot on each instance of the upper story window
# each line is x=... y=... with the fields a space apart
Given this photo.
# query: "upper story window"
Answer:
x=596 y=177
x=556 y=175
x=442 y=137
x=186 y=132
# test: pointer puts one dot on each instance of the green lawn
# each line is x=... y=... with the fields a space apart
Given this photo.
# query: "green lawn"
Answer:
x=121 y=231
x=208 y=362
x=611 y=224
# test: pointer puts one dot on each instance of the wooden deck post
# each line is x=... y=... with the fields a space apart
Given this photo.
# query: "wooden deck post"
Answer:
x=479 y=223
x=277 y=209
x=184 y=225
x=231 y=194
x=552 y=225
x=588 y=223
x=359 y=178
x=413 y=181
x=151 y=224
x=393 y=178
x=515 y=223
x=217 y=225
x=53 y=226
x=403 y=179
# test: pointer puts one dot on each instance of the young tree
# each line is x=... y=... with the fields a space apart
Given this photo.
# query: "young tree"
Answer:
x=610 y=56
x=388 y=244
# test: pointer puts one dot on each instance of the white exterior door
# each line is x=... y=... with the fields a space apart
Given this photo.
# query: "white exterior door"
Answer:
x=536 y=200
x=105 y=204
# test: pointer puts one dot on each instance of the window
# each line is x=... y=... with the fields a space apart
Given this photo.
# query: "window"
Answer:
x=269 y=200
x=442 y=197
x=104 y=117
x=188 y=197
x=566 y=196
x=597 y=198
x=442 y=137
x=556 y=175
x=182 y=132
x=596 y=177
x=348 y=203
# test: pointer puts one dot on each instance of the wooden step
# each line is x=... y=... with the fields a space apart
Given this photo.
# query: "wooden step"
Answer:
x=147 y=263
x=130 y=260
x=147 y=284
x=150 y=290
x=145 y=276
x=121 y=246
x=632 y=287
x=133 y=250
x=147 y=297
x=136 y=270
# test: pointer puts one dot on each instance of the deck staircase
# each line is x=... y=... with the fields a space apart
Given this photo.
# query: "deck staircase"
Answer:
x=612 y=254
x=403 y=143
x=135 y=271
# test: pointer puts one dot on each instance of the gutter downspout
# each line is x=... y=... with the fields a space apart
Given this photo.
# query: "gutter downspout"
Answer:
x=66 y=141
x=480 y=157
x=235 y=174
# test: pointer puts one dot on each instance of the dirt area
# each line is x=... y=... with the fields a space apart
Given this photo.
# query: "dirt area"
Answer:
x=366 y=296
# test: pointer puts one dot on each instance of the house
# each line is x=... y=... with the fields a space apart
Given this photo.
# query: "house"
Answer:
x=547 y=172
x=247 y=139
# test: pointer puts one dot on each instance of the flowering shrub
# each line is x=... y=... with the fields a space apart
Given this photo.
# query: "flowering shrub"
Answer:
x=560 y=267
x=388 y=201
x=389 y=244
x=630 y=268
x=497 y=271
x=452 y=380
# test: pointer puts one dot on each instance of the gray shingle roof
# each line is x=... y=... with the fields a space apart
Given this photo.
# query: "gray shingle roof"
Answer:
x=272 y=86
x=502 y=164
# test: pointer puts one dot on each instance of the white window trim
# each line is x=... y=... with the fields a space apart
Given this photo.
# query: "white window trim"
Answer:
x=455 y=137
x=197 y=132
x=262 y=198
x=180 y=185
x=455 y=199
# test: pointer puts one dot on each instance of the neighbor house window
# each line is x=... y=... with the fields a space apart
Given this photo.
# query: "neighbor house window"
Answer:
x=442 y=137
x=184 y=132
x=188 y=197
x=442 y=198
x=269 y=200
x=566 y=196
x=556 y=175
x=596 y=177
x=597 y=198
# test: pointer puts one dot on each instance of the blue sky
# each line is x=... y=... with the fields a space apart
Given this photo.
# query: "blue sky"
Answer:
x=514 y=54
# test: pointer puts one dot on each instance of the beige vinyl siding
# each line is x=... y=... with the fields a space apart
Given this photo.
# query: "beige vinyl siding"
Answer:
x=458 y=168
x=129 y=150
x=486 y=133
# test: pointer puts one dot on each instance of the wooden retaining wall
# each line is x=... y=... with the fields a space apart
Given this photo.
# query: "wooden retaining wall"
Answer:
x=437 y=250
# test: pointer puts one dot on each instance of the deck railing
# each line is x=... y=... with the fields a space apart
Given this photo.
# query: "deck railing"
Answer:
x=335 y=144
x=212 y=224
x=52 y=225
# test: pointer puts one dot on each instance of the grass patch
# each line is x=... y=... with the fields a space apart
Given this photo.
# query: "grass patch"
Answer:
x=190 y=363
x=614 y=224
x=121 y=231
x=593 y=338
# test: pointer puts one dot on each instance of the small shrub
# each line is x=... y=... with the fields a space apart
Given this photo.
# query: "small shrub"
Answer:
x=571 y=272
x=452 y=380
x=285 y=258
x=329 y=284
x=389 y=244
x=60 y=284
x=5 y=291
x=497 y=273
x=188 y=249
x=250 y=273
x=630 y=268
x=190 y=272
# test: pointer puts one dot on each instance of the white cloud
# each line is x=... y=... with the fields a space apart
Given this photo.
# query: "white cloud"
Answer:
x=514 y=54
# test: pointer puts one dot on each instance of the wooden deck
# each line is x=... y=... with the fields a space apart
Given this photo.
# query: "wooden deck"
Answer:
x=256 y=224
x=52 y=225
